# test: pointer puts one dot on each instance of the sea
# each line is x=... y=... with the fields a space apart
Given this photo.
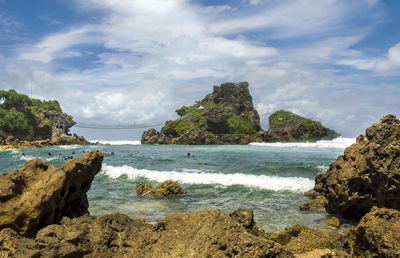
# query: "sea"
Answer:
x=269 y=178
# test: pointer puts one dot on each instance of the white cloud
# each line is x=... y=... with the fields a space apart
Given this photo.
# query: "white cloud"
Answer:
x=389 y=63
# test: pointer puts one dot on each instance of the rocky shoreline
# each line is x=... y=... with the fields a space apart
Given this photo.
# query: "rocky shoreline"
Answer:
x=12 y=143
x=44 y=212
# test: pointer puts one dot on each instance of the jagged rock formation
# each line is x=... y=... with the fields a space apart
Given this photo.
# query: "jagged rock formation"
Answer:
x=367 y=175
x=206 y=233
x=225 y=116
x=285 y=126
x=39 y=194
x=167 y=188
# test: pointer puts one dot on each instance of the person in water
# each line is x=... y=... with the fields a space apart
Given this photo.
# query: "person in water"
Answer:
x=188 y=155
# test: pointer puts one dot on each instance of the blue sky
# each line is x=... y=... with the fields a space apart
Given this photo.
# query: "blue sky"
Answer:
x=117 y=61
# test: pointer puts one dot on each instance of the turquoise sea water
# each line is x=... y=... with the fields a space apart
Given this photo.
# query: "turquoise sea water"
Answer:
x=268 y=178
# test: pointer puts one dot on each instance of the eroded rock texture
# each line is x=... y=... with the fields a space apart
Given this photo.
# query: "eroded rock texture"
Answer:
x=39 y=194
x=378 y=234
x=368 y=174
x=206 y=233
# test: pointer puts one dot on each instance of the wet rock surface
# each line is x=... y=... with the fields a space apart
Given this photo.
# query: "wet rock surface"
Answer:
x=367 y=175
x=167 y=188
x=39 y=194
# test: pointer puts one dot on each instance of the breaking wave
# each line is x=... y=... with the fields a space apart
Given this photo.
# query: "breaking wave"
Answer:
x=272 y=183
x=340 y=143
x=118 y=142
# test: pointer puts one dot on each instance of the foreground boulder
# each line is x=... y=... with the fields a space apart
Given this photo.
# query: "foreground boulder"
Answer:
x=206 y=233
x=167 y=188
x=378 y=234
x=39 y=194
x=367 y=175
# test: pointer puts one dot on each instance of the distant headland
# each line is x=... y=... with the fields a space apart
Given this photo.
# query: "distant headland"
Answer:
x=29 y=123
x=227 y=116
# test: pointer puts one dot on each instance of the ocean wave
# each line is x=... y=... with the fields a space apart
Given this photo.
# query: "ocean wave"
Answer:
x=69 y=147
x=340 y=143
x=26 y=157
x=117 y=142
x=272 y=183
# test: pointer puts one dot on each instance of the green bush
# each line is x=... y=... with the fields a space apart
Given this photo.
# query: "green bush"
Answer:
x=17 y=122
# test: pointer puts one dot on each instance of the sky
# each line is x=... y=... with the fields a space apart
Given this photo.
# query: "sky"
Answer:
x=123 y=61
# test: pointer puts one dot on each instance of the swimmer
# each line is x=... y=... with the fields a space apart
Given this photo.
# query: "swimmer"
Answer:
x=188 y=155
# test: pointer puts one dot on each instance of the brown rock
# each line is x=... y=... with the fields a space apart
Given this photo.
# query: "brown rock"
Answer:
x=167 y=188
x=368 y=174
x=332 y=222
x=318 y=203
x=301 y=239
x=206 y=233
x=39 y=194
x=378 y=234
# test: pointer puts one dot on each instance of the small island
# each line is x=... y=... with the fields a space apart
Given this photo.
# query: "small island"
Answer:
x=29 y=123
x=227 y=116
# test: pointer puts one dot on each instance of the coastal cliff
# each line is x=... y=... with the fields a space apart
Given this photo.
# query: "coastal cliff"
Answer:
x=30 y=123
x=227 y=116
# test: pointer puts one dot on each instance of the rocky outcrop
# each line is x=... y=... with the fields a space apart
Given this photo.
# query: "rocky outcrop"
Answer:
x=167 y=188
x=285 y=126
x=225 y=116
x=13 y=143
x=39 y=194
x=367 y=175
x=206 y=233
x=378 y=234
x=300 y=239
x=317 y=202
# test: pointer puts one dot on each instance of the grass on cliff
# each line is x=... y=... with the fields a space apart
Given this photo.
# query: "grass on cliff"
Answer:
x=287 y=118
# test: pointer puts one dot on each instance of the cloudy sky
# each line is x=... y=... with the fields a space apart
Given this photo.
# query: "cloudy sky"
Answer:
x=119 y=61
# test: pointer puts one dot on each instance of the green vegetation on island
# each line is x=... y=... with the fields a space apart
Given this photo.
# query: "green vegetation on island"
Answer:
x=288 y=126
x=227 y=113
x=27 y=118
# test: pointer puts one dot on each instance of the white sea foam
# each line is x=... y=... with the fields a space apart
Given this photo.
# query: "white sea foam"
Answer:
x=69 y=147
x=117 y=142
x=26 y=157
x=322 y=169
x=273 y=183
x=340 y=143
